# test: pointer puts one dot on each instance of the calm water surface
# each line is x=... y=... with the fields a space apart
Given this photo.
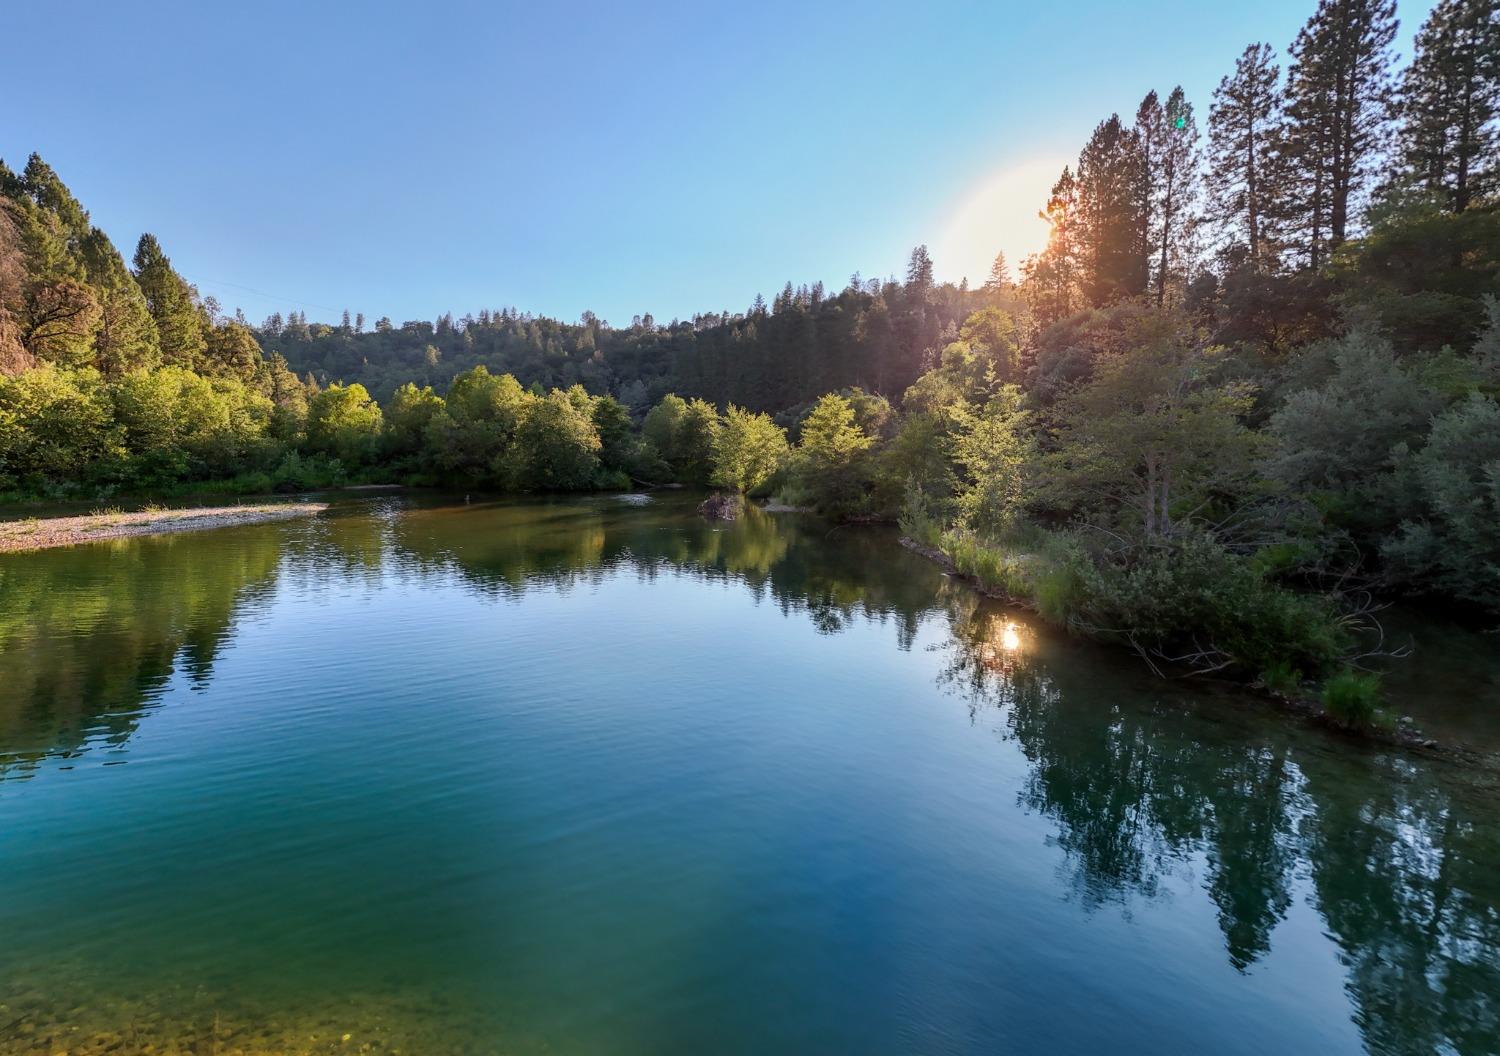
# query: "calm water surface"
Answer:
x=598 y=777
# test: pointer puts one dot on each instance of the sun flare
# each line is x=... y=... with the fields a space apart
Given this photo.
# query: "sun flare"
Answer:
x=997 y=214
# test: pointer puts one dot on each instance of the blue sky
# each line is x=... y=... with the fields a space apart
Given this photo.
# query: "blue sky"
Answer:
x=406 y=159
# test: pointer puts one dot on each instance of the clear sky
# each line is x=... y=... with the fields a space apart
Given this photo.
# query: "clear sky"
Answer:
x=409 y=159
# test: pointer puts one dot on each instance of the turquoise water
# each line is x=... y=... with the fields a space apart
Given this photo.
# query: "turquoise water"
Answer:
x=599 y=777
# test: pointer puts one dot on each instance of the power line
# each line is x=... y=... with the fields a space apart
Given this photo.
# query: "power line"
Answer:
x=272 y=296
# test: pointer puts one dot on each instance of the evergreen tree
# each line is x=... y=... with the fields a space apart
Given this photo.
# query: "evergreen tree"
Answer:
x=1111 y=214
x=179 y=324
x=1450 y=98
x=1175 y=192
x=1051 y=277
x=126 y=336
x=1242 y=127
x=1338 y=102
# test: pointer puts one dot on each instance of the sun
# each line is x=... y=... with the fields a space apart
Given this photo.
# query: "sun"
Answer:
x=997 y=214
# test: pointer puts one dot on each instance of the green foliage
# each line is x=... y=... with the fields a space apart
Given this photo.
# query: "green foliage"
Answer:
x=1152 y=435
x=829 y=469
x=748 y=449
x=1281 y=677
x=556 y=447
x=344 y=423
x=1452 y=545
x=995 y=452
x=55 y=426
x=173 y=306
x=1353 y=698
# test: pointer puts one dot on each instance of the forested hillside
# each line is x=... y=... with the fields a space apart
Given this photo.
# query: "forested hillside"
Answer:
x=1251 y=379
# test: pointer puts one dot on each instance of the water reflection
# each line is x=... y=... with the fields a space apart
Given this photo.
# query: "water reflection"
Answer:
x=1146 y=787
x=1397 y=855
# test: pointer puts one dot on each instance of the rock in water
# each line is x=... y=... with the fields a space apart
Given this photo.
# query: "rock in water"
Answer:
x=721 y=507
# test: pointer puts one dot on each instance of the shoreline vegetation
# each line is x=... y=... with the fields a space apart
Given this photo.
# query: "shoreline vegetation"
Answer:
x=1248 y=391
x=43 y=533
x=1013 y=590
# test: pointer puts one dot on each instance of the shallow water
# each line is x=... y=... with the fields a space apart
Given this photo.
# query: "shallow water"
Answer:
x=599 y=777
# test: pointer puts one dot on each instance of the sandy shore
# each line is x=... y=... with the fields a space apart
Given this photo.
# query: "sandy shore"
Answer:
x=42 y=533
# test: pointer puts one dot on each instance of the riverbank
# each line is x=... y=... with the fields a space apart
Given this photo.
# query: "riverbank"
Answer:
x=45 y=533
x=1295 y=702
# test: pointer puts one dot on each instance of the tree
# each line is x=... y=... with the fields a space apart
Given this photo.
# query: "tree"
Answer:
x=1452 y=545
x=231 y=349
x=344 y=422
x=1112 y=215
x=1242 y=121
x=748 y=449
x=59 y=321
x=56 y=425
x=1151 y=436
x=828 y=470
x=999 y=280
x=478 y=421
x=994 y=449
x=170 y=299
x=1338 y=100
x=556 y=448
x=1175 y=193
x=1051 y=278
x=1351 y=405
x=125 y=338
x=616 y=438
x=1450 y=97
x=13 y=355
x=408 y=414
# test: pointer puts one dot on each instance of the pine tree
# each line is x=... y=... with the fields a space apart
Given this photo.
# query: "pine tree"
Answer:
x=179 y=324
x=1338 y=103
x=1051 y=277
x=999 y=279
x=1175 y=192
x=126 y=339
x=1450 y=98
x=1242 y=127
x=1111 y=220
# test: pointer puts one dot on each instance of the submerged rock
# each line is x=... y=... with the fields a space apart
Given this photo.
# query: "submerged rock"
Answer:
x=721 y=507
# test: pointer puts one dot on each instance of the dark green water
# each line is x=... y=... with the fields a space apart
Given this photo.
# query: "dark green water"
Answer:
x=591 y=777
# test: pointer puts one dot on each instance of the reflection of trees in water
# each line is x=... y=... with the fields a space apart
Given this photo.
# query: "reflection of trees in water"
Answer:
x=88 y=634
x=834 y=576
x=1401 y=851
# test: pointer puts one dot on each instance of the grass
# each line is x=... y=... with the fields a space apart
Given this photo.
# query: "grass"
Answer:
x=1353 y=698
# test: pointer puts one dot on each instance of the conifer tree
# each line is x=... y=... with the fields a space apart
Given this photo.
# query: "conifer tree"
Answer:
x=1175 y=191
x=179 y=324
x=1338 y=103
x=1111 y=214
x=1242 y=127
x=126 y=338
x=1051 y=277
x=1450 y=99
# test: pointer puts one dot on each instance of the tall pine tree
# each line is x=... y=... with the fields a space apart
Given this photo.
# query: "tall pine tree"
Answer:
x=179 y=323
x=1242 y=125
x=1338 y=105
x=1450 y=97
x=1112 y=214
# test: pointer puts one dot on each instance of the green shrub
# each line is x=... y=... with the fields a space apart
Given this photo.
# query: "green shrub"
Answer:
x=1353 y=698
x=1281 y=677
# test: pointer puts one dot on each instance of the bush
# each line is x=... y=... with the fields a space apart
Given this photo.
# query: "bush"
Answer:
x=1353 y=698
x=1281 y=677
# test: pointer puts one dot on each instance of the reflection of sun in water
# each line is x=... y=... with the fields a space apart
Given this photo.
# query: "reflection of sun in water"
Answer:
x=1001 y=646
x=997 y=214
x=1010 y=637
